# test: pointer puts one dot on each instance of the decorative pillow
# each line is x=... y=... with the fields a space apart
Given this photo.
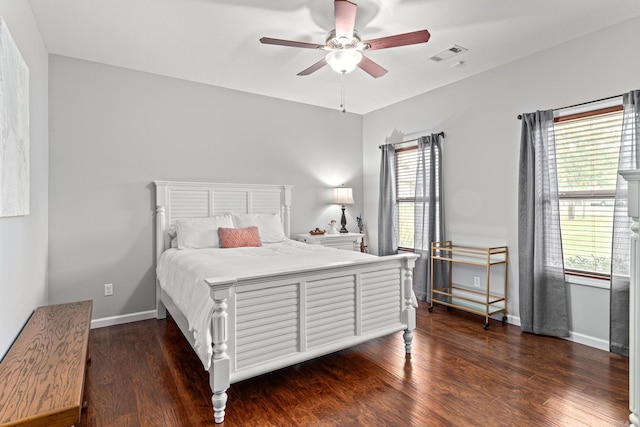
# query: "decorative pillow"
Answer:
x=239 y=237
x=173 y=236
x=196 y=233
x=269 y=226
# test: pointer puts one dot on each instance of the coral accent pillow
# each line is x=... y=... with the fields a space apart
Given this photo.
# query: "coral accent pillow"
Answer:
x=239 y=237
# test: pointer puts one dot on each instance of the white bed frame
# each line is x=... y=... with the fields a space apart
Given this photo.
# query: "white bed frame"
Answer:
x=263 y=323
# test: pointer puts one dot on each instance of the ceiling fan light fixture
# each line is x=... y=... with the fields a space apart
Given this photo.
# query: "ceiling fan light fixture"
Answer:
x=343 y=60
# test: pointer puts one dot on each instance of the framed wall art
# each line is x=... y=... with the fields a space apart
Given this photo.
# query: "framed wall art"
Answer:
x=14 y=128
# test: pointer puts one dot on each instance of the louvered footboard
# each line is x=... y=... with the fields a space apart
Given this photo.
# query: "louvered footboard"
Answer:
x=265 y=323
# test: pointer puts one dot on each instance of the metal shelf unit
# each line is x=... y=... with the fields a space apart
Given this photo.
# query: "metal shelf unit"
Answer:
x=483 y=303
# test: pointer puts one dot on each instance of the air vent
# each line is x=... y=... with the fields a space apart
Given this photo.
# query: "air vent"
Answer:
x=448 y=53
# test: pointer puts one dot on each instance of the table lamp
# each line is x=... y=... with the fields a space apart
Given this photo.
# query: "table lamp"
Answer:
x=343 y=196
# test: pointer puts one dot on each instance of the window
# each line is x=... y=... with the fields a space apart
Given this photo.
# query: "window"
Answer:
x=406 y=168
x=587 y=151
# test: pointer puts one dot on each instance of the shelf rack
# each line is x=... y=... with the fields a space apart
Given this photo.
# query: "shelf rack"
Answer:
x=483 y=303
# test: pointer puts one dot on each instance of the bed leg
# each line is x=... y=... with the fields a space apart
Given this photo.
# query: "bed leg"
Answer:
x=409 y=311
x=408 y=338
x=219 y=401
x=161 y=310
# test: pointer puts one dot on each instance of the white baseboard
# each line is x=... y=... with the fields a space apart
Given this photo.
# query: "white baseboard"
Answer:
x=579 y=338
x=125 y=318
x=513 y=320
x=576 y=337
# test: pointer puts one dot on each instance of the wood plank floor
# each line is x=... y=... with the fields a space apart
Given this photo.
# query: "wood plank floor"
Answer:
x=145 y=374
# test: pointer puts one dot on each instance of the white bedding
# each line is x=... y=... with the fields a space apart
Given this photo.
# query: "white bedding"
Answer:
x=182 y=274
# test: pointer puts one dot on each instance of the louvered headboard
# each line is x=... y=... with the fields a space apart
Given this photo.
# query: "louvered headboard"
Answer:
x=180 y=200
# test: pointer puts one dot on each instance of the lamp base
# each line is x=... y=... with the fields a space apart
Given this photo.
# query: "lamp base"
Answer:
x=343 y=222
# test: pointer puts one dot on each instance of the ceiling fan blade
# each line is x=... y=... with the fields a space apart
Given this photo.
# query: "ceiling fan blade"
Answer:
x=415 y=37
x=371 y=67
x=315 y=67
x=345 y=13
x=279 y=42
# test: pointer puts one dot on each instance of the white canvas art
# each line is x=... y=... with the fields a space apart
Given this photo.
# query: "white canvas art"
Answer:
x=14 y=128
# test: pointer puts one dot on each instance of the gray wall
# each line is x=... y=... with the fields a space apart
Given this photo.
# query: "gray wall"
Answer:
x=113 y=131
x=481 y=148
x=23 y=240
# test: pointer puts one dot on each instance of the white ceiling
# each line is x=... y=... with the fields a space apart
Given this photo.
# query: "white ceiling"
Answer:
x=216 y=41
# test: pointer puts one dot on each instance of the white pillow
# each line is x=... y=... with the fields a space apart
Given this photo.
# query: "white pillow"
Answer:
x=269 y=226
x=196 y=233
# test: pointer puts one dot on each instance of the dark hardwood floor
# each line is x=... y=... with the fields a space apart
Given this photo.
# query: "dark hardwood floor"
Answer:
x=145 y=374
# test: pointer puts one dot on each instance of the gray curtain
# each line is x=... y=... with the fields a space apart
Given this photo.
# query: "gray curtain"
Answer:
x=428 y=215
x=543 y=293
x=387 y=212
x=620 y=253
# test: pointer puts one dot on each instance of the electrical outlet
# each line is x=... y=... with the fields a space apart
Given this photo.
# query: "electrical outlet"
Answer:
x=108 y=289
x=476 y=281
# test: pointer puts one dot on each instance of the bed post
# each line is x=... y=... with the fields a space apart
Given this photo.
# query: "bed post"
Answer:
x=409 y=311
x=633 y=208
x=219 y=372
x=286 y=209
x=161 y=201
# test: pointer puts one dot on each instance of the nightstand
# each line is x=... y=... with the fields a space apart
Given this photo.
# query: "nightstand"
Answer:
x=346 y=241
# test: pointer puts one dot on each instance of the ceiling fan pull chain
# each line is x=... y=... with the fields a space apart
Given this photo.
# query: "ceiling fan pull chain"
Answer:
x=342 y=93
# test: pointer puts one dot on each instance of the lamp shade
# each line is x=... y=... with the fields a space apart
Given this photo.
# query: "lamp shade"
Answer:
x=343 y=196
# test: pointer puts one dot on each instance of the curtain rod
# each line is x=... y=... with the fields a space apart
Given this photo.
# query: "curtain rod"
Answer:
x=411 y=140
x=580 y=104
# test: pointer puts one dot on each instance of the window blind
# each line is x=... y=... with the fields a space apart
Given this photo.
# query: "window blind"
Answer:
x=406 y=168
x=587 y=151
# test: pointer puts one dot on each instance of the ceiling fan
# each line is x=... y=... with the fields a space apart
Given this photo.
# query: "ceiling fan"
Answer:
x=345 y=47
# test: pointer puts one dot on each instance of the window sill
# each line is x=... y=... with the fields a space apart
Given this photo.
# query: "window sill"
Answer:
x=587 y=281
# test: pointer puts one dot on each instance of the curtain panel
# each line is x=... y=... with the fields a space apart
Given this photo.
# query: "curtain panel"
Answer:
x=387 y=211
x=543 y=292
x=428 y=215
x=620 y=252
